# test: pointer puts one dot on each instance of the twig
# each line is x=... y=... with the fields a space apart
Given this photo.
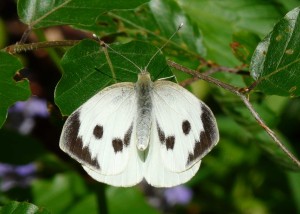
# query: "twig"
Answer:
x=18 y=48
x=226 y=69
x=188 y=81
x=212 y=67
x=236 y=91
x=205 y=77
x=25 y=35
x=268 y=130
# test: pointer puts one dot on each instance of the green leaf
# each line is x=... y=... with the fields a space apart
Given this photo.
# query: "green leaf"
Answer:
x=288 y=5
x=276 y=61
x=122 y=200
x=61 y=193
x=10 y=90
x=218 y=20
x=168 y=15
x=86 y=70
x=156 y=22
x=39 y=14
x=86 y=204
x=15 y=207
x=273 y=150
x=28 y=149
x=243 y=45
x=294 y=181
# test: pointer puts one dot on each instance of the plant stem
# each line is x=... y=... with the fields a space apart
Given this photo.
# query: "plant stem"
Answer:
x=101 y=198
x=18 y=48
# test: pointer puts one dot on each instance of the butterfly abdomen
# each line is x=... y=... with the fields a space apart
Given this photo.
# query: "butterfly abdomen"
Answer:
x=144 y=110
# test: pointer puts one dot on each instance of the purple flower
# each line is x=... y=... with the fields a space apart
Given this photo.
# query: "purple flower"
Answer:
x=24 y=113
x=32 y=107
x=178 y=195
x=13 y=176
x=26 y=170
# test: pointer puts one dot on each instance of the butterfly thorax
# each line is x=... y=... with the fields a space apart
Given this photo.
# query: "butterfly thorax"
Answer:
x=143 y=88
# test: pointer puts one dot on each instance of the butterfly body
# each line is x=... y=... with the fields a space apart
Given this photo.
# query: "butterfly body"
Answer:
x=157 y=131
x=143 y=89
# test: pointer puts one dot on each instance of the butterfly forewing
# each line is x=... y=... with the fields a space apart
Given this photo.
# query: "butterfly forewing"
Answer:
x=100 y=134
x=185 y=126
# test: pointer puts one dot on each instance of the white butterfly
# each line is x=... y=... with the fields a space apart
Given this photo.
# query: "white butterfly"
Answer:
x=153 y=130
x=158 y=131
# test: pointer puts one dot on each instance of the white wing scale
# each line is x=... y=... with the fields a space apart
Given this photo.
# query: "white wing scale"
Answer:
x=184 y=118
x=100 y=136
x=183 y=131
x=157 y=172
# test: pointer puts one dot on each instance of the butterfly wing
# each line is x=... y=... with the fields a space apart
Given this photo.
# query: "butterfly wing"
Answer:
x=99 y=135
x=157 y=172
x=183 y=131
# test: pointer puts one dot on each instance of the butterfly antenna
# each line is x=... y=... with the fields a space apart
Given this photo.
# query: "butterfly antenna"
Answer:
x=116 y=52
x=159 y=50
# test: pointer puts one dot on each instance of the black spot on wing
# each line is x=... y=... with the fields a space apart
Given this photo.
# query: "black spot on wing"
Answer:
x=117 y=145
x=161 y=134
x=186 y=127
x=170 y=141
x=98 y=132
x=72 y=128
x=208 y=137
x=205 y=144
x=127 y=136
x=192 y=156
x=74 y=143
x=209 y=124
x=200 y=148
x=84 y=154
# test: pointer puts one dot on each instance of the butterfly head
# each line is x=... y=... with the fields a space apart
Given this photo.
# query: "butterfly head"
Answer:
x=144 y=77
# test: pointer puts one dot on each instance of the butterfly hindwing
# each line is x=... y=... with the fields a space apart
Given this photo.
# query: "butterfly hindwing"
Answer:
x=132 y=175
x=157 y=172
x=100 y=135
x=185 y=126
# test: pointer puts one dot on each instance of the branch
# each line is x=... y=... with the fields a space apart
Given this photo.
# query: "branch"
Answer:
x=237 y=92
x=215 y=69
x=209 y=79
x=18 y=48
x=25 y=35
x=188 y=81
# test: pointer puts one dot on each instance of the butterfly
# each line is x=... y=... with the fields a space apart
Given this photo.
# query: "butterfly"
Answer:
x=127 y=132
